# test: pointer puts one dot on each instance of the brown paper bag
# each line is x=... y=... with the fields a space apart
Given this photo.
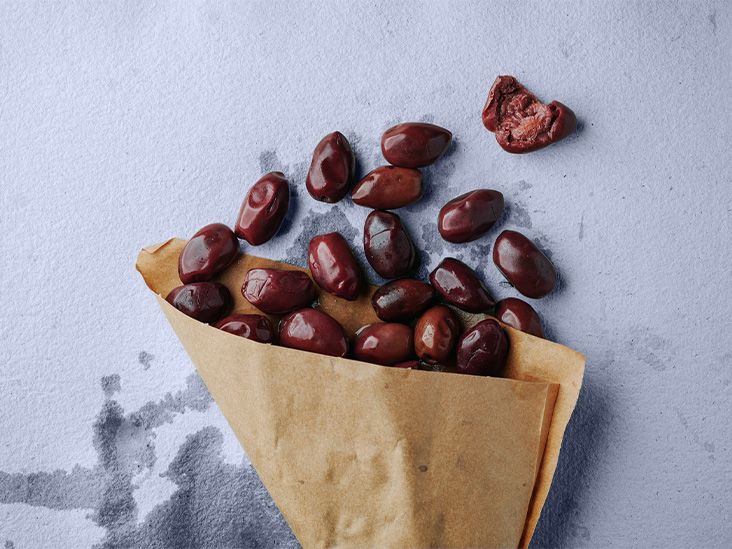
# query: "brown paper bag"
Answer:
x=360 y=455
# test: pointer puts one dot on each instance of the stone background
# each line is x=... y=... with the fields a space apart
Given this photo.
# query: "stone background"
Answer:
x=124 y=123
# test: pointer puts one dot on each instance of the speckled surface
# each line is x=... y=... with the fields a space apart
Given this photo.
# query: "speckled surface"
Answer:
x=122 y=124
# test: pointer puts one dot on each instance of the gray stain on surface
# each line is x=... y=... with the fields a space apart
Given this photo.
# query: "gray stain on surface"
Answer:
x=215 y=504
x=708 y=447
x=519 y=214
x=111 y=385
x=145 y=359
x=269 y=162
x=9 y=544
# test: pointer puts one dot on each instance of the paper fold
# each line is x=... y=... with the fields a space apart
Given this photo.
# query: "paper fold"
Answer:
x=359 y=455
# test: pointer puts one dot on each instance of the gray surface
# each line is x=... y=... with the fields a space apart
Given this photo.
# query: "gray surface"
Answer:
x=122 y=124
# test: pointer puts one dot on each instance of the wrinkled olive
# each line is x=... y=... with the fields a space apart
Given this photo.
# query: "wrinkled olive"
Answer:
x=315 y=331
x=520 y=121
x=402 y=299
x=483 y=349
x=414 y=144
x=520 y=315
x=207 y=253
x=254 y=327
x=388 y=246
x=388 y=187
x=435 y=334
x=332 y=168
x=278 y=291
x=333 y=266
x=263 y=209
x=204 y=301
x=470 y=215
x=523 y=264
x=460 y=286
x=384 y=343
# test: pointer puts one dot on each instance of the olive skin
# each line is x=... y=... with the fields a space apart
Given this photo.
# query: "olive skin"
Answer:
x=520 y=121
x=384 y=343
x=255 y=327
x=264 y=208
x=470 y=215
x=315 y=331
x=204 y=301
x=524 y=265
x=388 y=246
x=402 y=300
x=460 y=286
x=278 y=291
x=408 y=365
x=334 y=267
x=483 y=349
x=520 y=315
x=388 y=187
x=332 y=169
x=207 y=253
x=435 y=334
x=414 y=144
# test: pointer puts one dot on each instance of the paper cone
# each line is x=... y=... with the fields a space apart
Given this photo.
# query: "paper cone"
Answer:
x=360 y=455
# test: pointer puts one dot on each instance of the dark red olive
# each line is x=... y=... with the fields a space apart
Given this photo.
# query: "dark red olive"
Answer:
x=204 y=301
x=332 y=169
x=460 y=286
x=263 y=209
x=402 y=299
x=387 y=244
x=255 y=327
x=388 y=187
x=278 y=291
x=207 y=253
x=414 y=144
x=435 y=334
x=523 y=264
x=384 y=343
x=520 y=315
x=470 y=215
x=483 y=349
x=520 y=121
x=408 y=365
x=333 y=266
x=313 y=330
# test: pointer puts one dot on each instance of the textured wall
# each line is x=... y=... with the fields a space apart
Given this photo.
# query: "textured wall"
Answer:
x=124 y=123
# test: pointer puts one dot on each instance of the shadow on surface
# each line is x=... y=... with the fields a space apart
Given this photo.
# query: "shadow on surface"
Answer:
x=585 y=441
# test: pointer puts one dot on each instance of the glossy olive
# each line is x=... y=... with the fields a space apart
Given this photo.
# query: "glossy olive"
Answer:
x=523 y=264
x=388 y=187
x=520 y=315
x=332 y=168
x=263 y=209
x=204 y=301
x=278 y=291
x=408 y=365
x=470 y=215
x=402 y=299
x=255 y=327
x=483 y=349
x=384 y=343
x=334 y=267
x=388 y=246
x=459 y=285
x=435 y=334
x=207 y=253
x=315 y=331
x=414 y=144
